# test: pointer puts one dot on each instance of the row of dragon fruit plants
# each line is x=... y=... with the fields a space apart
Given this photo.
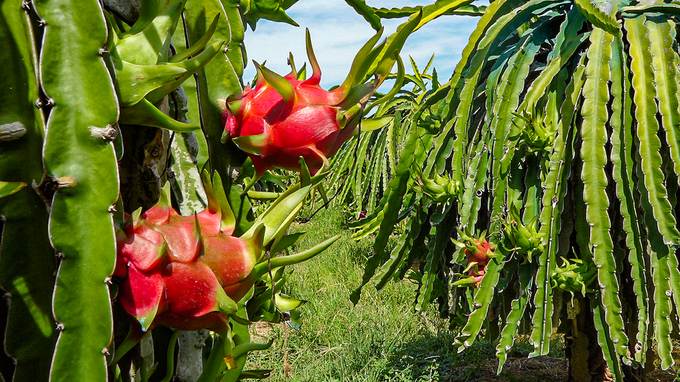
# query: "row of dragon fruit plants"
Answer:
x=132 y=161
x=534 y=192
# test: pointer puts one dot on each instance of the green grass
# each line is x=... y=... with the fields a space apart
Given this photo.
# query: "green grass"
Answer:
x=373 y=341
x=379 y=339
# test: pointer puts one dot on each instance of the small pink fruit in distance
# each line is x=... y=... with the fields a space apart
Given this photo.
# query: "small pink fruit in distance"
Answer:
x=478 y=257
x=284 y=118
x=480 y=253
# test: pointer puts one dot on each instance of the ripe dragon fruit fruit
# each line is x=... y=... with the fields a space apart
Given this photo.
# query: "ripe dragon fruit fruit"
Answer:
x=478 y=253
x=185 y=272
x=476 y=275
x=478 y=257
x=189 y=272
x=283 y=118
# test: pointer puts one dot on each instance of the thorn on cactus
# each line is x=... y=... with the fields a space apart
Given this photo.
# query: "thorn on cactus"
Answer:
x=66 y=182
x=108 y=133
x=12 y=131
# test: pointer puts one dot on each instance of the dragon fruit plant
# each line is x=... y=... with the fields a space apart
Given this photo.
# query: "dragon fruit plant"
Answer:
x=80 y=79
x=84 y=84
x=567 y=110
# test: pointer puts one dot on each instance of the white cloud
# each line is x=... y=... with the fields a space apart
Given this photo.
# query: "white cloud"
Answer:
x=338 y=33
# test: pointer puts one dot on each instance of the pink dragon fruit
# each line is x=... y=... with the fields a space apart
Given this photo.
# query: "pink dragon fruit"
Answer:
x=284 y=118
x=184 y=272
x=189 y=272
x=478 y=257
x=476 y=275
x=478 y=253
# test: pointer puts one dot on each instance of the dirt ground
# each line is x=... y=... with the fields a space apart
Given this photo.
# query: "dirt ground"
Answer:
x=541 y=369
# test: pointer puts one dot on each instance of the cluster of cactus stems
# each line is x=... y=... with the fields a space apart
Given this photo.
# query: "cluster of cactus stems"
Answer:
x=74 y=85
x=560 y=128
x=365 y=165
x=99 y=94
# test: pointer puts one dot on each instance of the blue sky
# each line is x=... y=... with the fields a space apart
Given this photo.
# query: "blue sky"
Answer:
x=338 y=32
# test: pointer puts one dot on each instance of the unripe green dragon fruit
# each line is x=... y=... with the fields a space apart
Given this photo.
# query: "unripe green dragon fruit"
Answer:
x=441 y=189
x=574 y=275
x=522 y=238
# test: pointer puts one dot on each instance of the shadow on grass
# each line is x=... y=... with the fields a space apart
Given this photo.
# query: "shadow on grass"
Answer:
x=433 y=357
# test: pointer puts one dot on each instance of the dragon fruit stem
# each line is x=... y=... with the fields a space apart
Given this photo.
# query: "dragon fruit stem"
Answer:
x=250 y=183
x=228 y=347
x=131 y=340
x=242 y=349
x=277 y=262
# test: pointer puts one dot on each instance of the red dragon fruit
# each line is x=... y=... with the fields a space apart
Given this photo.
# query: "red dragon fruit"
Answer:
x=478 y=257
x=184 y=272
x=189 y=272
x=284 y=118
x=476 y=275
x=478 y=253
